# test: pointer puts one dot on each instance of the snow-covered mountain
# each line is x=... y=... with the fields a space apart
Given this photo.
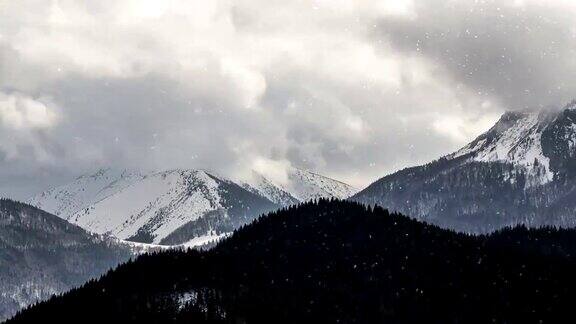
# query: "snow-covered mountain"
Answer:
x=543 y=143
x=84 y=191
x=169 y=207
x=173 y=207
x=299 y=186
x=517 y=139
x=522 y=170
x=42 y=255
x=306 y=185
x=260 y=185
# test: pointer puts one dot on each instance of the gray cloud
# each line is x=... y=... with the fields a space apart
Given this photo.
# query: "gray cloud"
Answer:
x=520 y=54
x=351 y=89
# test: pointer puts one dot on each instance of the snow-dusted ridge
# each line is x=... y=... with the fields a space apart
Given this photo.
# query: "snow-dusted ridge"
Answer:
x=151 y=207
x=162 y=201
x=301 y=185
x=265 y=187
x=84 y=191
x=306 y=185
x=517 y=139
x=521 y=171
x=178 y=206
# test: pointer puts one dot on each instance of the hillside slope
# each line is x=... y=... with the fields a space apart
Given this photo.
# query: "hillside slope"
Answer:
x=42 y=255
x=337 y=261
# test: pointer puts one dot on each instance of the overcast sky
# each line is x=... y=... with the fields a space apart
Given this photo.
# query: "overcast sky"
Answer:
x=348 y=88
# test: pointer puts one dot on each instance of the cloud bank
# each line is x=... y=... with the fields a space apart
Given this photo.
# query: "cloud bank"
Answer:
x=351 y=89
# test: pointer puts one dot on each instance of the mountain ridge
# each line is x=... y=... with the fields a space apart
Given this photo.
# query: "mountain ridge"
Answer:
x=521 y=171
x=301 y=186
x=179 y=205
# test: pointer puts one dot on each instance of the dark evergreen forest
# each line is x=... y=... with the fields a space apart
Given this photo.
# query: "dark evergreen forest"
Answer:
x=336 y=262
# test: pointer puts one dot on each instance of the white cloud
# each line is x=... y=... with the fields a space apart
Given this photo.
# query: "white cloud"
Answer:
x=21 y=112
x=24 y=122
x=275 y=170
x=460 y=129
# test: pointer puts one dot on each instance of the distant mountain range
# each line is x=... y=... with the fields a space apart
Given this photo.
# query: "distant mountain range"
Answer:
x=42 y=255
x=336 y=262
x=521 y=171
x=176 y=206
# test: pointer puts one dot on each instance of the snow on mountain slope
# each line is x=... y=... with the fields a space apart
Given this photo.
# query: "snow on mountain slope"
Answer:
x=516 y=138
x=205 y=240
x=306 y=185
x=299 y=186
x=68 y=199
x=173 y=207
x=163 y=201
x=262 y=186
x=169 y=207
x=521 y=171
x=197 y=242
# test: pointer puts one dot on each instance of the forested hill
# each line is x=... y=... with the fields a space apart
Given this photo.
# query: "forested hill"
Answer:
x=336 y=262
x=42 y=255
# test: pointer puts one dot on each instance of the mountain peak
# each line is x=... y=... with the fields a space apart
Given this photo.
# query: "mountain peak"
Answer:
x=571 y=105
x=160 y=207
x=307 y=185
x=177 y=205
x=517 y=139
x=541 y=142
x=520 y=171
x=510 y=117
x=275 y=192
x=300 y=185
